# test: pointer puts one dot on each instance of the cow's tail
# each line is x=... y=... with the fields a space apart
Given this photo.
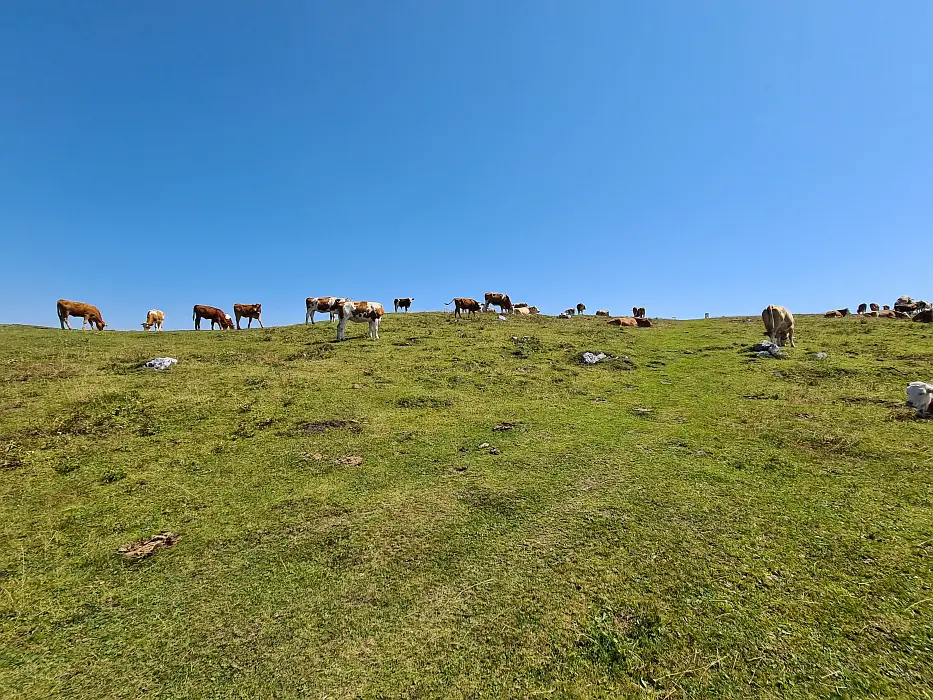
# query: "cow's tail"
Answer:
x=448 y=303
x=194 y=314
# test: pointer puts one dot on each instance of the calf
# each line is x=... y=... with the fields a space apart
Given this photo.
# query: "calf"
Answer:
x=581 y=308
x=403 y=303
x=90 y=314
x=602 y=312
x=154 y=318
x=624 y=321
x=862 y=308
x=919 y=397
x=322 y=305
x=471 y=306
x=500 y=300
x=779 y=325
x=215 y=315
x=249 y=311
x=370 y=312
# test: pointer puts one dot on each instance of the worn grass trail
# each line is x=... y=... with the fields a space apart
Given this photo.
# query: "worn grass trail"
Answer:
x=690 y=522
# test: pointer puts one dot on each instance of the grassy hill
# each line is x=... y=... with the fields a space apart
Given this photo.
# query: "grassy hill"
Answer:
x=684 y=520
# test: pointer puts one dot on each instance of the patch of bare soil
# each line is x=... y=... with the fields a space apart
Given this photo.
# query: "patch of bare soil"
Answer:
x=149 y=546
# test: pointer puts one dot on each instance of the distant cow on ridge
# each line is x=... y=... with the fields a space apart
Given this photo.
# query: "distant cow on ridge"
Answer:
x=370 y=312
x=581 y=308
x=638 y=311
x=500 y=300
x=602 y=312
x=322 y=305
x=779 y=325
x=249 y=311
x=467 y=304
x=862 y=308
x=874 y=307
x=212 y=313
x=90 y=314
x=154 y=318
x=403 y=303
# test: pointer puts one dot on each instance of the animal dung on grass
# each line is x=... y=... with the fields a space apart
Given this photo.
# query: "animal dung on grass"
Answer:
x=149 y=546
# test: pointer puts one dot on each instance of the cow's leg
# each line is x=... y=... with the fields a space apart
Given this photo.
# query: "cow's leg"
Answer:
x=249 y=322
x=84 y=325
x=790 y=336
x=259 y=321
x=341 y=328
x=238 y=323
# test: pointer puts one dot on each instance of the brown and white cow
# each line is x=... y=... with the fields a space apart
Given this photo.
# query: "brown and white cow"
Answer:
x=581 y=308
x=467 y=304
x=925 y=316
x=623 y=321
x=154 y=319
x=500 y=300
x=602 y=312
x=534 y=310
x=836 y=313
x=213 y=314
x=250 y=311
x=874 y=307
x=862 y=308
x=370 y=312
x=779 y=325
x=90 y=314
x=322 y=305
x=520 y=305
x=570 y=312
x=403 y=303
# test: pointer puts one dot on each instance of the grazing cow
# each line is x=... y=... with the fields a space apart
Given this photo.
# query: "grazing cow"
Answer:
x=500 y=300
x=534 y=310
x=602 y=312
x=403 y=303
x=90 y=314
x=471 y=306
x=643 y=322
x=522 y=311
x=874 y=307
x=360 y=312
x=905 y=304
x=862 y=308
x=581 y=308
x=249 y=311
x=779 y=325
x=624 y=321
x=925 y=316
x=919 y=397
x=322 y=305
x=154 y=318
x=837 y=313
x=215 y=315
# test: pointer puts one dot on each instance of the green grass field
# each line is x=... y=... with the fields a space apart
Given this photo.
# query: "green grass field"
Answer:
x=689 y=522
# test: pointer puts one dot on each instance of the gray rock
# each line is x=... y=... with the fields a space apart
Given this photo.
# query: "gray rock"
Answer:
x=591 y=359
x=820 y=356
x=161 y=362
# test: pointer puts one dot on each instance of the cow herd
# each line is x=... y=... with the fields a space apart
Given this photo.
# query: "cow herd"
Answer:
x=904 y=308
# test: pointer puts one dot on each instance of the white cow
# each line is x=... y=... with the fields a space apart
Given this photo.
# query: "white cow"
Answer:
x=360 y=312
x=779 y=325
x=919 y=396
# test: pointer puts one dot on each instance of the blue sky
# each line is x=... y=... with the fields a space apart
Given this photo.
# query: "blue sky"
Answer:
x=682 y=156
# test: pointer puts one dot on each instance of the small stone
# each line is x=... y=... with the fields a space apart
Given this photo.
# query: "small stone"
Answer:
x=493 y=451
x=483 y=445
x=820 y=356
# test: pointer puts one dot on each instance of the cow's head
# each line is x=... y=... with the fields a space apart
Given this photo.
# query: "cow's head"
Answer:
x=919 y=396
x=146 y=326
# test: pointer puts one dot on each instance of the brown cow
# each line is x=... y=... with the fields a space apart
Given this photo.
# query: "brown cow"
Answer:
x=862 y=308
x=215 y=315
x=836 y=313
x=643 y=322
x=403 y=303
x=624 y=321
x=581 y=308
x=370 y=312
x=925 y=316
x=779 y=325
x=602 y=312
x=500 y=300
x=874 y=307
x=90 y=314
x=471 y=306
x=249 y=311
x=322 y=305
x=154 y=318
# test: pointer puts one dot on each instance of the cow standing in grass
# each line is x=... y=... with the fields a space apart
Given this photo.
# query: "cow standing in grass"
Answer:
x=154 y=319
x=471 y=306
x=90 y=314
x=500 y=300
x=580 y=309
x=403 y=303
x=216 y=316
x=779 y=325
x=370 y=312
x=249 y=311
x=322 y=305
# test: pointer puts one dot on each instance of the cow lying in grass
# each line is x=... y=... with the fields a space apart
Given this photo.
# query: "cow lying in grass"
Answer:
x=630 y=321
x=90 y=314
x=370 y=312
x=919 y=397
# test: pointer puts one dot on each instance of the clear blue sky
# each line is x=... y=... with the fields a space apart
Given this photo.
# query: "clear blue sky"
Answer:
x=683 y=156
